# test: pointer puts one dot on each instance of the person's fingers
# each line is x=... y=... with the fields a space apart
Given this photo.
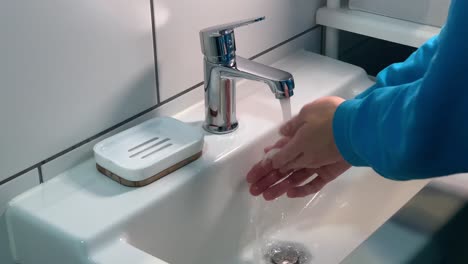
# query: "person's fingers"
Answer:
x=259 y=170
x=310 y=188
x=300 y=162
x=267 y=149
x=326 y=174
x=279 y=144
x=330 y=172
x=293 y=180
x=265 y=182
x=286 y=154
x=289 y=128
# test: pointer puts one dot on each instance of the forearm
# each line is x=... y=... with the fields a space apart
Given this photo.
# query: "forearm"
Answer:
x=414 y=68
x=418 y=129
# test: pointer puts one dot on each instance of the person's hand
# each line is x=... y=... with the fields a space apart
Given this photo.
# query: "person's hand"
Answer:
x=307 y=149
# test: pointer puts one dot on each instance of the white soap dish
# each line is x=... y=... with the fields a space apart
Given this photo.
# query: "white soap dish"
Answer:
x=147 y=152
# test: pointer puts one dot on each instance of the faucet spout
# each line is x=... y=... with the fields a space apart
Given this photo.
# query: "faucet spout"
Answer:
x=281 y=83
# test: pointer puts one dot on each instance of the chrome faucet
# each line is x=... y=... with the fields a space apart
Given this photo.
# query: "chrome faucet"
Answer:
x=222 y=67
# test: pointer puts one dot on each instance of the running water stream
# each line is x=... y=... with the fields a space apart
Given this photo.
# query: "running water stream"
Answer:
x=270 y=217
x=286 y=109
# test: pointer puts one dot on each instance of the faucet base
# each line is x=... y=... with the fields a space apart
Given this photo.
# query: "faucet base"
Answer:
x=220 y=130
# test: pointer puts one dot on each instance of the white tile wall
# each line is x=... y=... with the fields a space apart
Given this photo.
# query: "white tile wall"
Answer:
x=68 y=70
x=73 y=158
x=7 y=192
x=178 y=24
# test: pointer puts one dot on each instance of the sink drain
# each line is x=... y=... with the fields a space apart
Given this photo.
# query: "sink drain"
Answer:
x=285 y=257
x=287 y=253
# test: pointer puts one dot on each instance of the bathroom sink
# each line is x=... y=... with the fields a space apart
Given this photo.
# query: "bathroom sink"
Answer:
x=202 y=213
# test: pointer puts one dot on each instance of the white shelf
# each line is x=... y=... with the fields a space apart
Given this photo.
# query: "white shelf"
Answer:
x=376 y=26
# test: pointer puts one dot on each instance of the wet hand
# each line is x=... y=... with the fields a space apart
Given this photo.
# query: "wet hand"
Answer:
x=307 y=151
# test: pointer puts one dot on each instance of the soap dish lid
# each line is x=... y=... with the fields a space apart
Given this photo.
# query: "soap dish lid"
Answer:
x=152 y=147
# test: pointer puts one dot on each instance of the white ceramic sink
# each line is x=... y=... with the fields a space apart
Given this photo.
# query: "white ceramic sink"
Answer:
x=202 y=213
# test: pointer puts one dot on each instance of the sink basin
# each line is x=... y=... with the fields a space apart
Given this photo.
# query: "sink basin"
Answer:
x=202 y=213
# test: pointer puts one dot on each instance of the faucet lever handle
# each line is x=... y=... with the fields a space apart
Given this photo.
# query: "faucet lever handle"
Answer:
x=218 y=42
x=219 y=30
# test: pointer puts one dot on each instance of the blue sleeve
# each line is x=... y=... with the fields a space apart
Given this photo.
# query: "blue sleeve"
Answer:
x=408 y=71
x=418 y=129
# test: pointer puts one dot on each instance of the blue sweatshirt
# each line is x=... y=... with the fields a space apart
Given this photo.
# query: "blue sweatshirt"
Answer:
x=413 y=123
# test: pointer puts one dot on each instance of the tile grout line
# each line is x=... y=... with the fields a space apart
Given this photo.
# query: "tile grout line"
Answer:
x=16 y=175
x=39 y=170
x=159 y=104
x=322 y=43
x=155 y=52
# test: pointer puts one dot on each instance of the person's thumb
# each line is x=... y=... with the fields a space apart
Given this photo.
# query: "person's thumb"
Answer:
x=290 y=128
x=286 y=154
